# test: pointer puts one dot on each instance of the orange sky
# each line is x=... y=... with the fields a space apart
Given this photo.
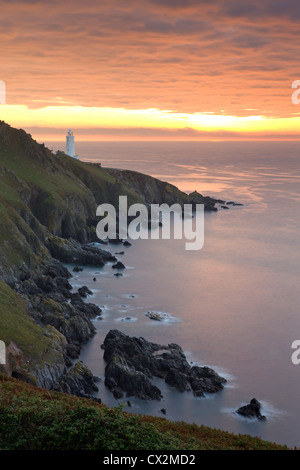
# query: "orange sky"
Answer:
x=151 y=69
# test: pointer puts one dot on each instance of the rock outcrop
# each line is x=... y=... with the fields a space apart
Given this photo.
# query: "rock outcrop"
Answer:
x=252 y=410
x=133 y=362
x=78 y=381
x=64 y=318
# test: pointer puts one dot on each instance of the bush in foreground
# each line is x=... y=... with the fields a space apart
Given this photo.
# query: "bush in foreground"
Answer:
x=36 y=419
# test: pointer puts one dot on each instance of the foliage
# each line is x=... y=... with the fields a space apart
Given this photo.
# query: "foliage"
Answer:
x=35 y=419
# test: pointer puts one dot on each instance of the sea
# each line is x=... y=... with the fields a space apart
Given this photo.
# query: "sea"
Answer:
x=233 y=305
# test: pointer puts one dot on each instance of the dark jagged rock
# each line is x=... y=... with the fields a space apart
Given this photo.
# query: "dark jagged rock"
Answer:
x=48 y=303
x=84 y=291
x=155 y=316
x=77 y=269
x=90 y=310
x=55 y=269
x=78 y=381
x=45 y=283
x=232 y=203
x=209 y=203
x=127 y=243
x=205 y=380
x=178 y=380
x=121 y=376
x=252 y=410
x=118 y=265
x=30 y=287
x=71 y=251
x=133 y=362
x=63 y=284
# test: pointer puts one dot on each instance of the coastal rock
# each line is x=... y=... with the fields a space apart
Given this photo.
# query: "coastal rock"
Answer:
x=118 y=265
x=177 y=380
x=78 y=381
x=195 y=198
x=55 y=269
x=29 y=287
x=71 y=251
x=133 y=362
x=84 y=291
x=121 y=376
x=127 y=243
x=205 y=380
x=77 y=269
x=252 y=410
x=90 y=310
x=155 y=316
x=232 y=203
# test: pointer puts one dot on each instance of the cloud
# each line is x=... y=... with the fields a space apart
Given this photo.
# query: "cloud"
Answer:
x=183 y=55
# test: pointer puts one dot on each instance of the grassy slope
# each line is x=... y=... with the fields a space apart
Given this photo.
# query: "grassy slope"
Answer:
x=35 y=419
x=34 y=342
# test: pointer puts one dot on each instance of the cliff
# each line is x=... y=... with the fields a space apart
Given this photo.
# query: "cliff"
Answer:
x=48 y=215
x=44 y=195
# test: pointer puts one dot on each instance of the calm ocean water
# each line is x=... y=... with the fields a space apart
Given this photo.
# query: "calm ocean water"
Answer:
x=234 y=305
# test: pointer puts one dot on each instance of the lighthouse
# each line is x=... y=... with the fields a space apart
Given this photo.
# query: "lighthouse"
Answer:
x=70 y=144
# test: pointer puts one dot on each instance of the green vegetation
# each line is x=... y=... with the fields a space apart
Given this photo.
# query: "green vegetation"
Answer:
x=36 y=419
x=28 y=344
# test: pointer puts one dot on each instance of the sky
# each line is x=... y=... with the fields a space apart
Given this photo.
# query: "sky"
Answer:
x=151 y=69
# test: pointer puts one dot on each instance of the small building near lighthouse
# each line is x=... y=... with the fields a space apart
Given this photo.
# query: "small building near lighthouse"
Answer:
x=70 y=144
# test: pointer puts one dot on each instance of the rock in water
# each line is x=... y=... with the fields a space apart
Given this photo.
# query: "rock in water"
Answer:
x=84 y=291
x=252 y=410
x=133 y=362
x=118 y=265
x=77 y=269
x=154 y=316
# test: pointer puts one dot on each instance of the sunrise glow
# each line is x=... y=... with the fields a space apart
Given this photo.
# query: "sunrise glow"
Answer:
x=184 y=70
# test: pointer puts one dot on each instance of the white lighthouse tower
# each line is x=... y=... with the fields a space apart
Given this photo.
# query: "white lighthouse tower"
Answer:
x=70 y=144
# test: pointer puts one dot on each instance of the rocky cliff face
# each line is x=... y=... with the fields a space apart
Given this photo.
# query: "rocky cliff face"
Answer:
x=48 y=215
x=44 y=195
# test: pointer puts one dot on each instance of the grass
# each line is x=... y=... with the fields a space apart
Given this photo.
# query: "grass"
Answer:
x=35 y=342
x=35 y=419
